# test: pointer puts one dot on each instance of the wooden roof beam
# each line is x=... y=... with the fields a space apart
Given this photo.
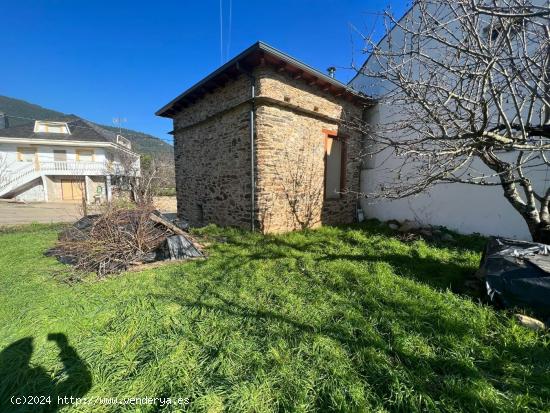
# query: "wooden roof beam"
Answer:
x=262 y=59
x=281 y=66
x=224 y=77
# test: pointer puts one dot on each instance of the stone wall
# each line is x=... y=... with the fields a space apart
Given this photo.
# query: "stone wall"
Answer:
x=297 y=92
x=212 y=155
x=212 y=160
x=290 y=151
x=291 y=167
x=232 y=94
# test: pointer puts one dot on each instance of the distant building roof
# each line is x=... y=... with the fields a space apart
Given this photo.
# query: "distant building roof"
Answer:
x=261 y=53
x=80 y=130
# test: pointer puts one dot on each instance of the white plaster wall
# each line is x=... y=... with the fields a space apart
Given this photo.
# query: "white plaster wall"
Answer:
x=8 y=152
x=464 y=208
x=8 y=156
x=45 y=153
x=32 y=192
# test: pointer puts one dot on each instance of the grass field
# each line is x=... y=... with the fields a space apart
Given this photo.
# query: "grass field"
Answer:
x=338 y=319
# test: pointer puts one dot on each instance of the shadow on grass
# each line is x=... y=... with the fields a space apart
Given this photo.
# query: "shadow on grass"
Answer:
x=19 y=380
x=425 y=374
x=466 y=361
x=434 y=272
x=438 y=273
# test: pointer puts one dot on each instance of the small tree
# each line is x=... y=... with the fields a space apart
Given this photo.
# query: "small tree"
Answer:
x=465 y=85
x=147 y=184
x=145 y=181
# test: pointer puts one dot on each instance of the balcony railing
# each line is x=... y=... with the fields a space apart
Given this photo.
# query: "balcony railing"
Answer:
x=72 y=168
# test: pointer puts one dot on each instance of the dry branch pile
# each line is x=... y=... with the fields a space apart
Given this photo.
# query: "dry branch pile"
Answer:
x=121 y=237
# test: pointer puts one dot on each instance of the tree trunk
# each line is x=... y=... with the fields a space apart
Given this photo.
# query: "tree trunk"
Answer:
x=541 y=233
x=537 y=221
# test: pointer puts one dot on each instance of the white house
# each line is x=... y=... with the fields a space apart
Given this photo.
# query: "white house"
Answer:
x=68 y=159
x=461 y=207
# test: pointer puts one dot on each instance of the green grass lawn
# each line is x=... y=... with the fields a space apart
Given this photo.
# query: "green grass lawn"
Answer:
x=337 y=319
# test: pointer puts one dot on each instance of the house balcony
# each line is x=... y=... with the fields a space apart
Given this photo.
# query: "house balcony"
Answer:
x=76 y=168
x=34 y=170
x=80 y=168
x=72 y=168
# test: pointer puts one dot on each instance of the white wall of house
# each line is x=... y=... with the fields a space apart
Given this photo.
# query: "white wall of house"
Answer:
x=94 y=169
x=32 y=192
x=464 y=208
x=44 y=153
x=461 y=207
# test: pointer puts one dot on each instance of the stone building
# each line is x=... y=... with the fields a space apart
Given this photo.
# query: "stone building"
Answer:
x=265 y=142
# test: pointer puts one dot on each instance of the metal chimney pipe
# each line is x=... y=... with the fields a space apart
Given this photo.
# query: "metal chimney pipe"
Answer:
x=331 y=71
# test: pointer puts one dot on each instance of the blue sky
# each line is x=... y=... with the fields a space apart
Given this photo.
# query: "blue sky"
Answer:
x=104 y=59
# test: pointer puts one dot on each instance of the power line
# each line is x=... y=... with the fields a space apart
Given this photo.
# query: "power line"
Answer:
x=221 y=31
x=229 y=31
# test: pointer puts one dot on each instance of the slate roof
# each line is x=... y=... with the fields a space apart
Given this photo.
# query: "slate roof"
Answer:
x=81 y=130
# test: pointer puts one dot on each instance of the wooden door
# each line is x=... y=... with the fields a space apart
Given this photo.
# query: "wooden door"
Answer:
x=71 y=189
x=77 y=189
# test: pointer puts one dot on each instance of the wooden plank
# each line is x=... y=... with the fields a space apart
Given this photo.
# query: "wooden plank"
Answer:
x=167 y=224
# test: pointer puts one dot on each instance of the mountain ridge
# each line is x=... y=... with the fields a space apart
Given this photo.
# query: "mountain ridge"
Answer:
x=20 y=112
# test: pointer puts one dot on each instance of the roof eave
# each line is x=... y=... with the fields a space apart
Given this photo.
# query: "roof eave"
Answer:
x=61 y=142
x=170 y=109
x=212 y=75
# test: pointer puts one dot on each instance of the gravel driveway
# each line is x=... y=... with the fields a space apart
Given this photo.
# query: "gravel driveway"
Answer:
x=44 y=212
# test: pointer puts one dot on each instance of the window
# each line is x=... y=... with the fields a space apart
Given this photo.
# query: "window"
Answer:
x=51 y=127
x=84 y=155
x=26 y=154
x=334 y=165
x=60 y=155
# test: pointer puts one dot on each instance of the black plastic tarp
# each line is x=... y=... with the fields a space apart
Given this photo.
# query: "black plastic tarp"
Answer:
x=517 y=274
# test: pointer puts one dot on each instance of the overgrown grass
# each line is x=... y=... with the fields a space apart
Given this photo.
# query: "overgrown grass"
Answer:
x=166 y=191
x=338 y=319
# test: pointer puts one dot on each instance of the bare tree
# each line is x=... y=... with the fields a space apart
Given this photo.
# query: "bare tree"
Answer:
x=167 y=170
x=465 y=84
x=145 y=179
x=300 y=176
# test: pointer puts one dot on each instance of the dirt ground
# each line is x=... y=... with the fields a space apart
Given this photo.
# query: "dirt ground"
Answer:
x=43 y=212
x=166 y=203
x=48 y=212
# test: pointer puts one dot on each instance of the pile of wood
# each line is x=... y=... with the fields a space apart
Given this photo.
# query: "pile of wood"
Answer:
x=120 y=238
